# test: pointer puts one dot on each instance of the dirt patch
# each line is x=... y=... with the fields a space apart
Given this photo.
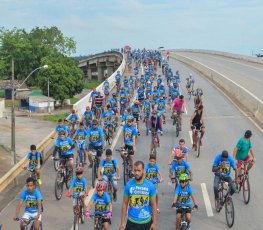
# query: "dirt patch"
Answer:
x=5 y=160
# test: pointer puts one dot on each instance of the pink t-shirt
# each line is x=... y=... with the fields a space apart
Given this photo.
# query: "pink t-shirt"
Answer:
x=178 y=104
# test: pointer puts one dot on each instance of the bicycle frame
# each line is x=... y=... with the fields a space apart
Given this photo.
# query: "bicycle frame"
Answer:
x=81 y=150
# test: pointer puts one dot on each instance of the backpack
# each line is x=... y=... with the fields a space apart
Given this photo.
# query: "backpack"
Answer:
x=112 y=163
x=41 y=157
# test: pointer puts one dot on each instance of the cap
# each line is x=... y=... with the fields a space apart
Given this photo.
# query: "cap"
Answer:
x=248 y=134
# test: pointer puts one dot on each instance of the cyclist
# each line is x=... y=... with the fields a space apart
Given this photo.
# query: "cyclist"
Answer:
x=60 y=126
x=197 y=123
x=128 y=115
x=159 y=81
x=146 y=109
x=153 y=174
x=118 y=77
x=184 y=150
x=136 y=71
x=139 y=201
x=198 y=94
x=65 y=146
x=128 y=140
x=111 y=170
x=107 y=116
x=73 y=118
x=242 y=150
x=96 y=141
x=106 y=90
x=142 y=80
x=222 y=169
x=78 y=187
x=103 y=205
x=99 y=104
x=113 y=102
x=182 y=198
x=80 y=138
x=155 y=96
x=179 y=166
x=174 y=93
x=66 y=123
x=162 y=90
x=178 y=107
x=32 y=197
x=131 y=83
x=148 y=89
x=190 y=83
x=123 y=100
x=161 y=105
x=155 y=125
x=87 y=117
x=93 y=94
x=141 y=94
x=136 y=111
x=34 y=161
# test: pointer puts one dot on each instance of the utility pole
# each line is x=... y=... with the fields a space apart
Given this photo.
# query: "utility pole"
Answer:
x=48 y=95
x=13 y=138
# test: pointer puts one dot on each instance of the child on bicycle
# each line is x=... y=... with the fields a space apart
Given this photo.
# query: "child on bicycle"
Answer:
x=182 y=198
x=111 y=170
x=184 y=150
x=34 y=158
x=78 y=187
x=73 y=118
x=154 y=175
x=33 y=200
x=103 y=205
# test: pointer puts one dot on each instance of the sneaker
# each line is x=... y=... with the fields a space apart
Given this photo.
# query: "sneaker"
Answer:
x=139 y=133
x=114 y=196
x=161 y=133
x=39 y=181
x=90 y=165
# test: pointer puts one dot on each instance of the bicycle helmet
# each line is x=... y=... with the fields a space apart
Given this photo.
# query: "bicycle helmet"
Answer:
x=184 y=177
x=108 y=106
x=62 y=133
x=87 y=108
x=79 y=170
x=100 y=187
x=178 y=153
x=136 y=102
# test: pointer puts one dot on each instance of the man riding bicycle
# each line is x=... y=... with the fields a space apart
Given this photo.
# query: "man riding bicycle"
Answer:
x=107 y=116
x=177 y=108
x=161 y=106
x=136 y=112
x=113 y=102
x=190 y=83
x=96 y=141
x=73 y=118
x=146 y=109
x=87 y=117
x=99 y=105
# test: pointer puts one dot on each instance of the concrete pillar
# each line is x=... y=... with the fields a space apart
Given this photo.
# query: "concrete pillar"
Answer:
x=109 y=70
x=89 y=74
x=100 y=73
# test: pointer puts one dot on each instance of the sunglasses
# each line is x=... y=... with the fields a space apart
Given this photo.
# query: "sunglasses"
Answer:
x=94 y=124
x=183 y=181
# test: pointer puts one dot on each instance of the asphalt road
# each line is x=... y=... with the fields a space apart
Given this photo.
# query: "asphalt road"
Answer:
x=225 y=124
x=247 y=74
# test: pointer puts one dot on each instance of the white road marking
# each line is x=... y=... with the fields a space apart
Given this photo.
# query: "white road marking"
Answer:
x=208 y=206
x=191 y=135
x=185 y=111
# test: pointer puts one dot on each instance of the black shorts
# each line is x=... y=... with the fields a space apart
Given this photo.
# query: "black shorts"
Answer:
x=133 y=226
x=129 y=149
x=180 y=210
x=97 y=148
x=197 y=126
x=136 y=117
x=64 y=158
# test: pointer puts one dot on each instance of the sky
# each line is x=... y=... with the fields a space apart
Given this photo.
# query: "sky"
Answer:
x=96 y=25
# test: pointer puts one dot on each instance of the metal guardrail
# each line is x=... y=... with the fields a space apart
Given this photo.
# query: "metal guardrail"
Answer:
x=80 y=107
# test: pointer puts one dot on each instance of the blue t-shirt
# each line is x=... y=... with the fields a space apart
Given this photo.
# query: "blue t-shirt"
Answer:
x=109 y=167
x=95 y=136
x=159 y=80
x=123 y=96
x=174 y=93
x=88 y=115
x=184 y=150
x=135 y=110
x=129 y=133
x=78 y=185
x=73 y=117
x=126 y=116
x=152 y=172
x=183 y=196
x=63 y=146
x=225 y=171
x=139 y=196
x=94 y=94
x=140 y=93
x=178 y=169
x=31 y=200
x=118 y=77
x=81 y=134
x=155 y=95
x=33 y=159
x=113 y=102
x=61 y=128
x=106 y=85
x=147 y=106
x=107 y=115
x=101 y=203
x=161 y=105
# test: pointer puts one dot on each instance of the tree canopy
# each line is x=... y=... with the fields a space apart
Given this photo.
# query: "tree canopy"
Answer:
x=39 y=47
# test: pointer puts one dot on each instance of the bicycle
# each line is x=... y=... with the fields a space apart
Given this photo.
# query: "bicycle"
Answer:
x=108 y=131
x=176 y=122
x=98 y=221
x=146 y=120
x=29 y=224
x=127 y=172
x=73 y=128
x=244 y=182
x=64 y=176
x=78 y=211
x=155 y=143
x=95 y=165
x=184 y=224
x=225 y=200
x=80 y=155
x=110 y=186
x=122 y=107
x=32 y=173
x=197 y=141
x=56 y=161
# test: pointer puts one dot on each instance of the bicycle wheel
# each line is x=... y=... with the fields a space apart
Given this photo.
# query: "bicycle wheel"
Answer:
x=76 y=222
x=109 y=135
x=220 y=199
x=230 y=212
x=94 y=165
x=177 y=128
x=59 y=185
x=81 y=215
x=147 y=126
x=198 y=146
x=110 y=192
x=56 y=162
x=125 y=173
x=69 y=176
x=154 y=152
x=246 y=189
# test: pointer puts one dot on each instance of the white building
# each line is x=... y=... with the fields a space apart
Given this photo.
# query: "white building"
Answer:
x=40 y=104
x=2 y=107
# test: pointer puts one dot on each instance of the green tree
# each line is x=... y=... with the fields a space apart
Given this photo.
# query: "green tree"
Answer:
x=65 y=77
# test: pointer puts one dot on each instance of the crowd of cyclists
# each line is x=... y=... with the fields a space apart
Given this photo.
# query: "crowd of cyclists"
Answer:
x=136 y=99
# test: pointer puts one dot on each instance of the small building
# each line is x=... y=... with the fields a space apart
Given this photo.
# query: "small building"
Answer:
x=40 y=104
x=6 y=85
x=2 y=107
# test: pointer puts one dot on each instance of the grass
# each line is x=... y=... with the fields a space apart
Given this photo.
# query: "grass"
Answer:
x=74 y=100
x=2 y=94
x=55 y=118
x=93 y=84
x=8 y=103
